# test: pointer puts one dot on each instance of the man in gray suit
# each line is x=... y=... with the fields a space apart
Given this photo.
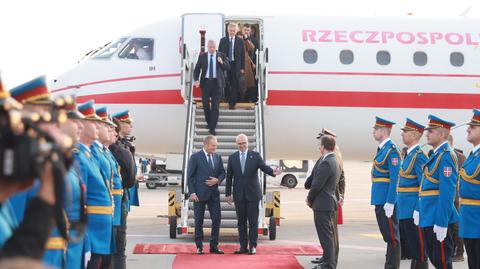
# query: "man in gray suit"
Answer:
x=321 y=198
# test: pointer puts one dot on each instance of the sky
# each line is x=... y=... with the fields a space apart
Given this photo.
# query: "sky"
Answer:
x=50 y=36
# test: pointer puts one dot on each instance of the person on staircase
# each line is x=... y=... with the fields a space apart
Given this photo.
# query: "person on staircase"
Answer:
x=208 y=74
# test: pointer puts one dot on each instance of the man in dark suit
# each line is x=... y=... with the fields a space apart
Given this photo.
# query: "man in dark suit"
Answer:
x=321 y=198
x=339 y=192
x=242 y=169
x=211 y=66
x=205 y=173
x=234 y=48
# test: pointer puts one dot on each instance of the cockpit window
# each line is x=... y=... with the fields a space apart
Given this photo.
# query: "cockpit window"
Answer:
x=138 y=49
x=109 y=50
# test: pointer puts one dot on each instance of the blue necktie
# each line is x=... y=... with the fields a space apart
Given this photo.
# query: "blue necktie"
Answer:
x=210 y=68
x=242 y=161
x=230 y=50
x=210 y=160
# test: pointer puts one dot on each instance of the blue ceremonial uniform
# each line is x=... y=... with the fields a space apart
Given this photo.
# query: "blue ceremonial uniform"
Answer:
x=469 y=228
x=117 y=190
x=99 y=203
x=437 y=190
x=75 y=249
x=8 y=222
x=436 y=202
x=386 y=166
x=410 y=177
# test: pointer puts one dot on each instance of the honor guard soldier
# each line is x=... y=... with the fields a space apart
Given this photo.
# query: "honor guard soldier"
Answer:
x=117 y=188
x=437 y=192
x=75 y=204
x=411 y=174
x=122 y=151
x=385 y=169
x=99 y=198
x=36 y=98
x=470 y=195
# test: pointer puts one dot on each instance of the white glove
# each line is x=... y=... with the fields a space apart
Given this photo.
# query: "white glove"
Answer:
x=388 y=209
x=441 y=232
x=416 y=217
x=88 y=255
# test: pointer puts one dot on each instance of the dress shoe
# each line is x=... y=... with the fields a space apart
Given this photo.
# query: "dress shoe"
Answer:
x=241 y=251
x=318 y=260
x=199 y=251
x=252 y=251
x=212 y=132
x=216 y=251
x=231 y=107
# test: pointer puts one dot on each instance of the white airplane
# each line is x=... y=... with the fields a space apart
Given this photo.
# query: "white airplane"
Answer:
x=331 y=72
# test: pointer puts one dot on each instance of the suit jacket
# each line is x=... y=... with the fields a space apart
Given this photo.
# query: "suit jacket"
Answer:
x=324 y=183
x=245 y=185
x=202 y=67
x=238 y=53
x=199 y=170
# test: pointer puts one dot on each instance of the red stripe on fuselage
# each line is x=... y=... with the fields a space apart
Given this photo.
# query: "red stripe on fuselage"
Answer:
x=163 y=97
x=372 y=99
x=116 y=80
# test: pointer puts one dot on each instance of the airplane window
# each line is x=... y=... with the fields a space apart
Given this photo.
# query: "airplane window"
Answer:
x=310 y=56
x=420 y=58
x=456 y=59
x=346 y=57
x=138 y=49
x=383 y=57
x=108 y=51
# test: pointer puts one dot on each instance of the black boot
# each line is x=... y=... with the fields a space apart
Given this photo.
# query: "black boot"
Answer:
x=393 y=257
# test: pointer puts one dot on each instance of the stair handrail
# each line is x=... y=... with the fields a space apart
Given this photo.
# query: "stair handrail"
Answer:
x=189 y=129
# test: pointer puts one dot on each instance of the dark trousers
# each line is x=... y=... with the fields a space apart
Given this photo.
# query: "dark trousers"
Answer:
x=457 y=240
x=247 y=210
x=234 y=90
x=391 y=235
x=211 y=102
x=413 y=239
x=439 y=253
x=119 y=259
x=215 y=214
x=335 y=235
x=324 y=226
x=472 y=246
x=99 y=261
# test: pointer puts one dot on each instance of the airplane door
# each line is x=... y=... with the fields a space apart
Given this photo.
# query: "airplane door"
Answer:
x=197 y=29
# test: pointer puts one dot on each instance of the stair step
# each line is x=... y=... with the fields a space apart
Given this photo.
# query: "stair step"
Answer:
x=225 y=215
x=207 y=223
x=223 y=138
x=238 y=106
x=225 y=206
x=223 y=145
x=228 y=125
x=247 y=118
x=225 y=132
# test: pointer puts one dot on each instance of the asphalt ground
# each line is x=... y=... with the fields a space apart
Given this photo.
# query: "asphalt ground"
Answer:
x=360 y=241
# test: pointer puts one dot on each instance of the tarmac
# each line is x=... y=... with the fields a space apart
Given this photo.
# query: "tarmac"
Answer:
x=360 y=241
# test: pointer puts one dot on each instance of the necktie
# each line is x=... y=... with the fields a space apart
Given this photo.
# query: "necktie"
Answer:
x=210 y=160
x=230 y=49
x=210 y=68
x=242 y=161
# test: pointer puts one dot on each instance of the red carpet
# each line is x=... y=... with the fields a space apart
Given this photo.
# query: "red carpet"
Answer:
x=228 y=248
x=184 y=261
